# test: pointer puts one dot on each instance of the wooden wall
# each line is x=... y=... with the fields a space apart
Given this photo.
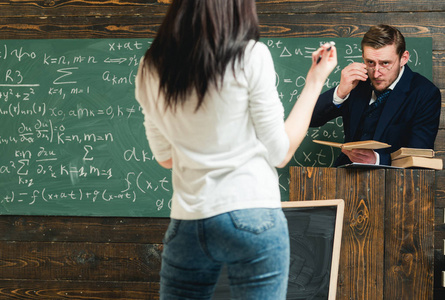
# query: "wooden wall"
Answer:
x=119 y=258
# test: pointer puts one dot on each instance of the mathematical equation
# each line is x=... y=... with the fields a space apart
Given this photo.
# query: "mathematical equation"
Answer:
x=73 y=123
x=92 y=196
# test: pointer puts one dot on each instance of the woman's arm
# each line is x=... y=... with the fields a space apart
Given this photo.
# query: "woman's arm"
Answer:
x=168 y=164
x=297 y=123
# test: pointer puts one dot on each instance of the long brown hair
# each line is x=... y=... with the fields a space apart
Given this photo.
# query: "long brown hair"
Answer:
x=195 y=43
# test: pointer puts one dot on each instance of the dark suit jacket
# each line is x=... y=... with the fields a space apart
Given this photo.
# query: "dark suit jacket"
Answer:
x=410 y=117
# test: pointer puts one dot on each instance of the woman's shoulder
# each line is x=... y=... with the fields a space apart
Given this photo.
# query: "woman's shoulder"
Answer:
x=254 y=47
x=256 y=53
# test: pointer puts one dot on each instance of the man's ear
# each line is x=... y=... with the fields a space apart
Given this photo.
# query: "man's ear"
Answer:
x=404 y=59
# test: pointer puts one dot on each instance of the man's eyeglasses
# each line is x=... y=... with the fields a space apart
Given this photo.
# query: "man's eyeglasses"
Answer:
x=372 y=67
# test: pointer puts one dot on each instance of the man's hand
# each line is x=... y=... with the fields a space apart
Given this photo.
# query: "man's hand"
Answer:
x=350 y=77
x=363 y=156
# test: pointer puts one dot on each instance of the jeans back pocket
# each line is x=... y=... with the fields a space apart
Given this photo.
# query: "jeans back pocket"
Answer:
x=255 y=220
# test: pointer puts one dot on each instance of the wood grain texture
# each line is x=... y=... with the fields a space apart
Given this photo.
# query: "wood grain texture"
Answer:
x=440 y=190
x=276 y=25
x=52 y=257
x=312 y=184
x=83 y=27
x=409 y=227
x=388 y=232
x=325 y=6
x=87 y=261
x=82 y=229
x=361 y=259
x=439 y=144
x=62 y=289
x=69 y=8
x=442 y=115
x=115 y=8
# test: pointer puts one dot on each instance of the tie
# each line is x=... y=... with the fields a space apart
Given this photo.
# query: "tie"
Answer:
x=370 y=118
x=381 y=98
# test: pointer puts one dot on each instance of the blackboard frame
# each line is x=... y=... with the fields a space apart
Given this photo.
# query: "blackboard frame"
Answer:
x=339 y=204
x=222 y=289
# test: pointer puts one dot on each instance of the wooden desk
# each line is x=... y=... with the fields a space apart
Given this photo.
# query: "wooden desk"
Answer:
x=387 y=249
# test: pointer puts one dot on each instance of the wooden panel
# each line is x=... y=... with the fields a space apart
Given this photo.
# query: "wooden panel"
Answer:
x=326 y=6
x=439 y=254
x=80 y=261
x=277 y=25
x=442 y=114
x=439 y=258
x=361 y=260
x=355 y=25
x=439 y=144
x=80 y=257
x=387 y=246
x=54 y=8
x=141 y=7
x=442 y=92
x=312 y=184
x=439 y=229
x=60 y=289
x=440 y=189
x=439 y=71
x=79 y=27
x=409 y=226
x=82 y=229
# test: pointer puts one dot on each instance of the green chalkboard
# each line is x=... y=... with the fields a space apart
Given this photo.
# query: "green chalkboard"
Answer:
x=72 y=140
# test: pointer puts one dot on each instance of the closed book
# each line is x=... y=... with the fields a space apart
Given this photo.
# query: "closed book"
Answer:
x=355 y=145
x=418 y=162
x=403 y=152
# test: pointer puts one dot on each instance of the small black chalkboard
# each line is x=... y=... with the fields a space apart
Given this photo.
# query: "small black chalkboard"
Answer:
x=315 y=230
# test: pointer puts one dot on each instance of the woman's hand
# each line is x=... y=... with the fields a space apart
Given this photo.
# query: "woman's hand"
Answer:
x=324 y=60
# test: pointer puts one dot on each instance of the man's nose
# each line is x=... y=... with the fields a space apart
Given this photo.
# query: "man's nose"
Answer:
x=377 y=71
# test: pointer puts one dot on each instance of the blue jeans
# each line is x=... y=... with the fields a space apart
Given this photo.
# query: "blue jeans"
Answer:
x=254 y=243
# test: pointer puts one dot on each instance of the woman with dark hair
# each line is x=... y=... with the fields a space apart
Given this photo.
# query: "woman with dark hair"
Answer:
x=213 y=115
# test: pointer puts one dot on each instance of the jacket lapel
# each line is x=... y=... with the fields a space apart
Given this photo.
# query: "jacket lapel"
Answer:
x=394 y=101
x=359 y=104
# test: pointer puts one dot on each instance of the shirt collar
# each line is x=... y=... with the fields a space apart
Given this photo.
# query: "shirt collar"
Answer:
x=391 y=87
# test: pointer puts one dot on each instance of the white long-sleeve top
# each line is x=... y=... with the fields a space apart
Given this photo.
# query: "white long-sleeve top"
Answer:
x=224 y=155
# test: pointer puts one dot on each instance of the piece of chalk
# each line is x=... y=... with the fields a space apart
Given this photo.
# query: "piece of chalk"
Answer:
x=332 y=43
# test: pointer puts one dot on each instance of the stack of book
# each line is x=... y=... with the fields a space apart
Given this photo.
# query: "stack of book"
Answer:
x=416 y=158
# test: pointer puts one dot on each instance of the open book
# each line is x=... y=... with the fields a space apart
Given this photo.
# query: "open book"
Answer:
x=355 y=145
